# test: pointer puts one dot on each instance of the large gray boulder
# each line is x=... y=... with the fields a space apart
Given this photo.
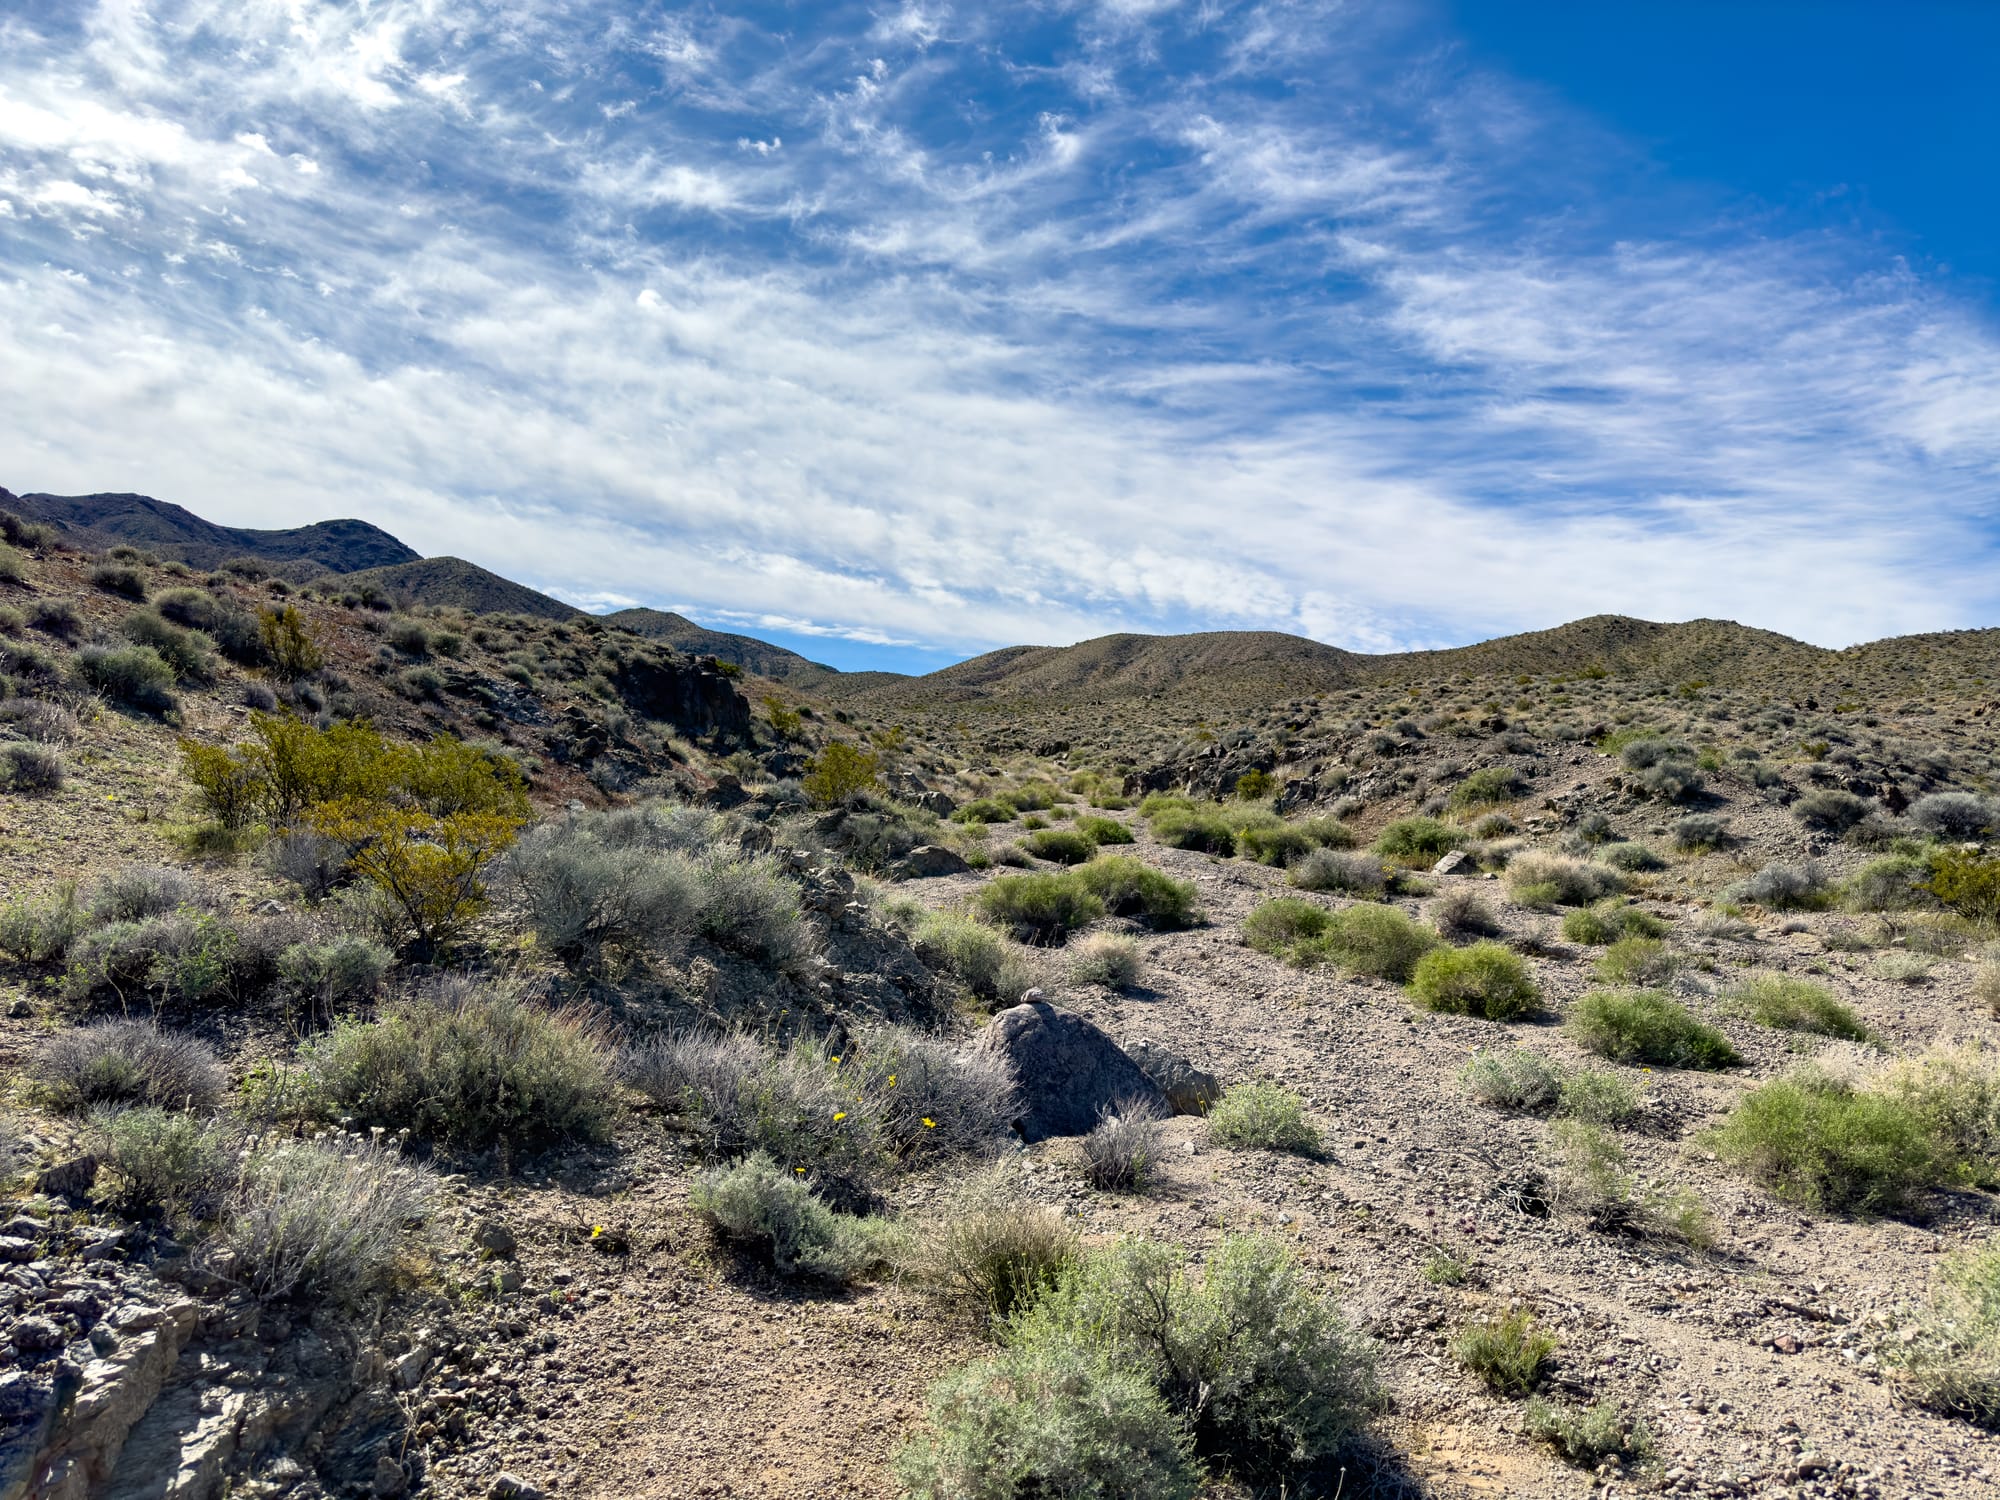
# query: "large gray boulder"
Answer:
x=1187 y=1088
x=1066 y=1071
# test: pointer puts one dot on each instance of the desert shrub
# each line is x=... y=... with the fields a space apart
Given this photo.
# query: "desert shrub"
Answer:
x=839 y=771
x=127 y=1062
x=1264 y=1117
x=426 y=870
x=1786 y=888
x=1946 y=1354
x=1895 y=882
x=1488 y=785
x=1033 y=796
x=1985 y=979
x=56 y=617
x=1955 y=1092
x=984 y=810
x=115 y=578
x=1588 y=1177
x=1671 y=780
x=1819 y=1141
x=1588 y=1437
x=420 y=683
x=1487 y=980
x=408 y=636
x=40 y=929
x=1279 y=845
x=234 y=631
x=1787 y=1004
x=1109 y=959
x=30 y=768
x=1699 y=831
x=1050 y=1419
x=137 y=892
x=132 y=675
x=1538 y=878
x=1377 y=940
x=185 y=955
x=990 y=1253
x=164 y=1158
x=1040 y=909
x=1645 y=1026
x=1265 y=1372
x=1830 y=810
x=1462 y=914
x=311 y=861
x=1102 y=831
x=1633 y=859
x=583 y=895
x=1510 y=1353
x=1199 y=829
x=1514 y=1080
x=1598 y=1096
x=325 y=1220
x=989 y=965
x=758 y=1203
x=1121 y=1149
x=931 y=1103
x=290 y=644
x=1951 y=815
x=1608 y=921
x=339 y=971
x=1062 y=846
x=467 y=1063
x=1635 y=962
x=1967 y=883
x=185 y=651
x=1417 y=840
x=1351 y=874
x=1130 y=887
x=1278 y=926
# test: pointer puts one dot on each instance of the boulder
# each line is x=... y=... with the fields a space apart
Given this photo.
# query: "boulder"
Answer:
x=928 y=860
x=68 y=1179
x=1187 y=1088
x=1454 y=862
x=1066 y=1071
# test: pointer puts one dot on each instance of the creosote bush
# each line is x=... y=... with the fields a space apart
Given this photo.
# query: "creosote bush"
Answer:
x=1634 y=962
x=1787 y=1004
x=1417 y=840
x=127 y=1062
x=1199 y=829
x=1062 y=846
x=1042 y=910
x=994 y=968
x=469 y=1063
x=1487 y=980
x=1820 y=1141
x=1103 y=831
x=1262 y=1116
x=1608 y=921
x=1645 y=1026
x=1130 y=887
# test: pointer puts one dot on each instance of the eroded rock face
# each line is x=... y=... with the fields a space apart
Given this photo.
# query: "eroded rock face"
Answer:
x=689 y=692
x=1067 y=1072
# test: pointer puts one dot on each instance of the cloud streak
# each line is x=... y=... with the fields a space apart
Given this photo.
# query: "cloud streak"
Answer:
x=926 y=326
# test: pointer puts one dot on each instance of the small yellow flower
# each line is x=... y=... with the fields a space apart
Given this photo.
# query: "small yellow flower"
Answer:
x=929 y=1123
x=840 y=1114
x=836 y=1059
x=892 y=1080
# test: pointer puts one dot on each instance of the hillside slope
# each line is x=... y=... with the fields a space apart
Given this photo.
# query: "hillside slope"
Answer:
x=454 y=583
x=747 y=652
x=108 y=520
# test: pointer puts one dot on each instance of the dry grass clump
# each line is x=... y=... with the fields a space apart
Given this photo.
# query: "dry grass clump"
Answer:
x=1539 y=878
x=990 y=1251
x=127 y=1062
x=1120 y=1151
x=1787 y=1004
x=1588 y=1177
x=1346 y=872
x=1510 y=1353
x=1462 y=914
x=1946 y=1355
x=1109 y=959
x=1523 y=1081
x=1586 y=1437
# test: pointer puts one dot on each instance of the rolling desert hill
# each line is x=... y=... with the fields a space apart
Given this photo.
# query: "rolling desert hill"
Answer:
x=454 y=583
x=749 y=653
x=108 y=520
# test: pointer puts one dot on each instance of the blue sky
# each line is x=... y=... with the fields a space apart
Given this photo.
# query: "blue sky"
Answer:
x=897 y=332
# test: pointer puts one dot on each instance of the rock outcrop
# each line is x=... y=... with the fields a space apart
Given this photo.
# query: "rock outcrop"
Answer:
x=1067 y=1072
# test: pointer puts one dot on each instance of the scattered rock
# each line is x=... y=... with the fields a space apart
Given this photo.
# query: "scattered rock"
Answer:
x=1187 y=1088
x=495 y=1238
x=928 y=860
x=36 y=1335
x=1453 y=862
x=68 y=1179
x=1067 y=1071
x=512 y=1487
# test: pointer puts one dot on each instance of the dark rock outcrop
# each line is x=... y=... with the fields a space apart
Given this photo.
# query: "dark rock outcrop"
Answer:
x=690 y=692
x=1067 y=1072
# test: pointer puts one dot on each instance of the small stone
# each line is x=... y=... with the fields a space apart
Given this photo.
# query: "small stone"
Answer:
x=1456 y=862
x=496 y=1238
x=510 y=1280
x=930 y=860
x=512 y=1487
x=390 y=1480
x=272 y=907
x=68 y=1179
x=36 y=1335
x=15 y=1249
x=20 y=1010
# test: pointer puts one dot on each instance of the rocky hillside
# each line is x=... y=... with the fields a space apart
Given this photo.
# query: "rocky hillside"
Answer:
x=99 y=522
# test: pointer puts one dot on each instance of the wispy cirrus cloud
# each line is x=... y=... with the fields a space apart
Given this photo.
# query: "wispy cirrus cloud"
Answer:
x=917 y=324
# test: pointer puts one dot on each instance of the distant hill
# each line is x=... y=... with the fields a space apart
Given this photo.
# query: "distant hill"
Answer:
x=1705 y=650
x=97 y=522
x=455 y=583
x=749 y=653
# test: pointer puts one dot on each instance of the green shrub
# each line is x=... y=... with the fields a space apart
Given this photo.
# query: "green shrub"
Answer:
x=127 y=1062
x=185 y=651
x=1821 y=1142
x=1040 y=909
x=1787 y=1004
x=114 y=579
x=132 y=675
x=191 y=956
x=1511 y=1353
x=164 y=1158
x=1055 y=1420
x=339 y=971
x=1264 y=1117
x=1830 y=811
x=468 y=1064
x=1635 y=962
x=1109 y=959
x=1645 y=1026
x=1489 y=785
x=1608 y=921
x=1417 y=840
x=325 y=1220
x=1350 y=873
x=1279 y=846
x=1631 y=858
x=984 y=810
x=1946 y=1355
x=1516 y=1080
x=1895 y=882
x=1278 y=926
x=761 y=1204
x=1598 y=1096
x=1104 y=831
x=1588 y=1177
x=1538 y=878
x=1967 y=883
x=1033 y=796
x=1130 y=887
x=30 y=768
x=1265 y=1372
x=992 y=967
x=1201 y=830
x=839 y=771
x=40 y=929
x=1061 y=846
x=1377 y=940
x=990 y=1254
x=1487 y=980
x=1587 y=1437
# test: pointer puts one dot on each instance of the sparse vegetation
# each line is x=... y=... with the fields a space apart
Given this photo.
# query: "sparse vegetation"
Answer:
x=1264 y=1117
x=759 y=1204
x=1040 y=909
x=1787 y=1004
x=1510 y=1353
x=1487 y=980
x=1645 y=1026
